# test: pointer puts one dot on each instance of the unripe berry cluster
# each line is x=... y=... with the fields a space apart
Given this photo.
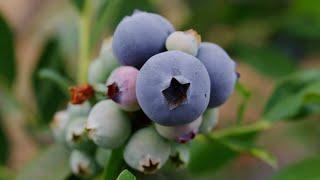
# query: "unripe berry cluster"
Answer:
x=166 y=91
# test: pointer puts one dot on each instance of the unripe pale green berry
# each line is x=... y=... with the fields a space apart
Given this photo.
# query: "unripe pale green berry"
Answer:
x=181 y=133
x=78 y=110
x=146 y=151
x=178 y=159
x=210 y=120
x=76 y=135
x=186 y=41
x=102 y=156
x=59 y=125
x=107 y=126
x=82 y=165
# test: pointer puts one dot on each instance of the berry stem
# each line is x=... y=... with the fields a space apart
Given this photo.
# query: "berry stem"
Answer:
x=84 y=43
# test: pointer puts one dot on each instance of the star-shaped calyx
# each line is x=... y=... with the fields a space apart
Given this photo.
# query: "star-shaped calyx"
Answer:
x=149 y=165
x=113 y=92
x=176 y=93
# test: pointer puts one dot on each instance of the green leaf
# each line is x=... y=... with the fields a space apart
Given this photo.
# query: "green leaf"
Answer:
x=4 y=150
x=79 y=4
x=210 y=153
x=58 y=79
x=7 y=53
x=53 y=164
x=269 y=61
x=307 y=169
x=49 y=96
x=5 y=173
x=295 y=96
x=208 y=156
x=245 y=94
x=113 y=166
x=126 y=175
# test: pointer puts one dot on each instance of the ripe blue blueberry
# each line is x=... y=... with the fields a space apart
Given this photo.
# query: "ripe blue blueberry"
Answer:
x=210 y=120
x=121 y=87
x=82 y=165
x=140 y=36
x=222 y=72
x=146 y=151
x=181 y=133
x=173 y=88
x=187 y=41
x=106 y=126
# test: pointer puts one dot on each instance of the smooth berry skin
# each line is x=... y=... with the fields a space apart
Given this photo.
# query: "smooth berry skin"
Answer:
x=102 y=156
x=82 y=165
x=222 y=72
x=182 y=41
x=140 y=36
x=210 y=120
x=121 y=87
x=106 y=126
x=155 y=79
x=181 y=133
x=179 y=157
x=59 y=125
x=78 y=110
x=77 y=137
x=146 y=151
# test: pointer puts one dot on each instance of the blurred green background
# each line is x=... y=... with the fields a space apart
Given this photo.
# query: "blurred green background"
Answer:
x=270 y=40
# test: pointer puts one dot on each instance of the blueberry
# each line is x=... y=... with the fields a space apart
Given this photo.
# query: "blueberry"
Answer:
x=140 y=36
x=121 y=86
x=106 y=126
x=102 y=156
x=173 y=88
x=146 y=151
x=181 y=133
x=76 y=135
x=59 y=126
x=101 y=67
x=187 y=41
x=78 y=110
x=210 y=120
x=179 y=156
x=82 y=165
x=222 y=72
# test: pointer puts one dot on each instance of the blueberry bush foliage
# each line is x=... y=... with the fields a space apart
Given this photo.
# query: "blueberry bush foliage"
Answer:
x=270 y=36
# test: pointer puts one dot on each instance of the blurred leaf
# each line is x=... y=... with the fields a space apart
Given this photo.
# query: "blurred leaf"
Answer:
x=269 y=61
x=4 y=150
x=7 y=53
x=209 y=156
x=295 y=96
x=53 y=164
x=210 y=153
x=5 y=173
x=48 y=95
x=307 y=169
x=126 y=175
x=113 y=166
x=302 y=19
x=60 y=81
x=79 y=4
x=245 y=95
x=111 y=13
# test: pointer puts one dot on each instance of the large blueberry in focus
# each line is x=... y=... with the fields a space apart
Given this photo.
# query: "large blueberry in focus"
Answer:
x=222 y=72
x=140 y=36
x=173 y=88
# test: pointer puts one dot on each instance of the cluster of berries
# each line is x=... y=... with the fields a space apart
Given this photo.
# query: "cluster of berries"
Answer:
x=165 y=92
